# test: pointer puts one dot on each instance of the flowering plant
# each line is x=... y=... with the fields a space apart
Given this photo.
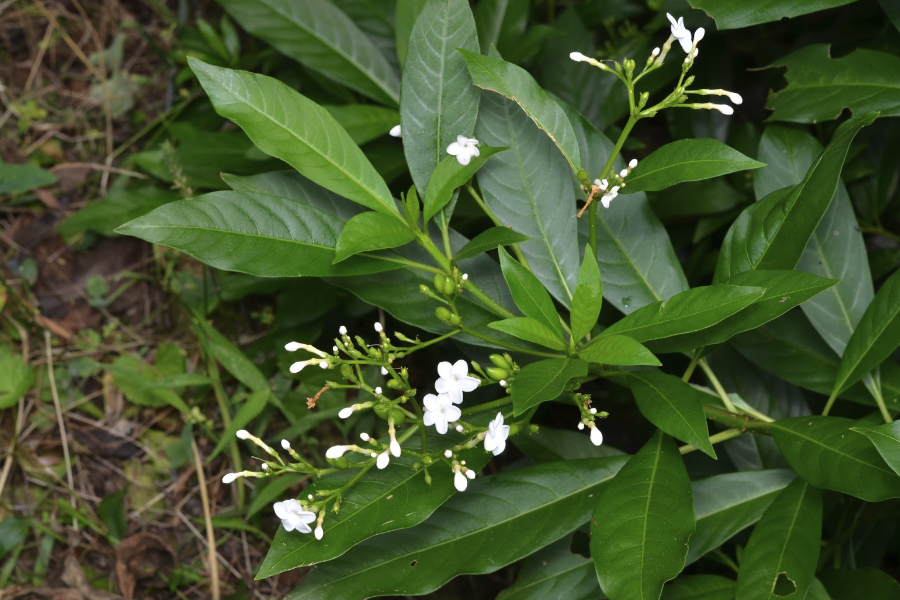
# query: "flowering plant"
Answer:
x=564 y=229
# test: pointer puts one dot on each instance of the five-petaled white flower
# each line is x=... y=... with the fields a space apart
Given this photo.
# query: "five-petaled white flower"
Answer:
x=609 y=196
x=293 y=516
x=680 y=32
x=464 y=149
x=454 y=380
x=440 y=412
x=495 y=437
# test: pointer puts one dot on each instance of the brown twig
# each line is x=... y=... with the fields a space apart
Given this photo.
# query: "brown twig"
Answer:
x=590 y=198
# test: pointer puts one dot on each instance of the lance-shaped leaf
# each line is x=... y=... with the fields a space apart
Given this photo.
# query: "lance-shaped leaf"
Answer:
x=773 y=233
x=689 y=311
x=543 y=381
x=686 y=160
x=784 y=291
x=826 y=452
x=641 y=526
x=381 y=501
x=319 y=35
x=876 y=337
x=531 y=330
x=526 y=508
x=853 y=584
x=364 y=122
x=734 y=15
x=405 y=14
x=555 y=573
x=262 y=235
x=529 y=294
x=886 y=439
x=518 y=85
x=617 y=350
x=289 y=126
x=548 y=445
x=371 y=231
x=780 y=558
x=729 y=503
x=21 y=178
x=588 y=297
x=700 y=587
x=489 y=239
x=449 y=175
x=438 y=101
x=819 y=88
x=294 y=186
x=672 y=405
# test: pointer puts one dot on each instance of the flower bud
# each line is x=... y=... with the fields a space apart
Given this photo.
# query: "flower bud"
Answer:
x=500 y=361
x=364 y=436
x=378 y=327
x=285 y=444
x=342 y=330
x=496 y=373
x=242 y=434
x=442 y=314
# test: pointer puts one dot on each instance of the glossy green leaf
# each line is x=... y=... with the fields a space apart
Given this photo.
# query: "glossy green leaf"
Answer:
x=555 y=573
x=734 y=15
x=229 y=356
x=780 y=558
x=531 y=330
x=364 y=122
x=438 y=101
x=549 y=444
x=371 y=231
x=617 y=350
x=588 y=297
x=529 y=294
x=686 y=160
x=784 y=291
x=252 y=233
x=819 y=88
x=289 y=126
x=543 y=381
x=847 y=584
x=886 y=439
x=405 y=14
x=700 y=587
x=382 y=501
x=294 y=186
x=672 y=405
x=727 y=504
x=526 y=508
x=449 y=175
x=773 y=233
x=319 y=35
x=529 y=188
x=518 y=85
x=826 y=452
x=686 y=312
x=21 y=178
x=817 y=591
x=642 y=523
x=876 y=337
x=489 y=239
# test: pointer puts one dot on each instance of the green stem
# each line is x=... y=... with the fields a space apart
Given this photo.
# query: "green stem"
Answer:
x=435 y=253
x=717 y=386
x=406 y=263
x=734 y=420
x=690 y=370
x=489 y=303
x=502 y=344
x=714 y=439
x=487 y=406
x=604 y=172
x=516 y=250
x=879 y=399
x=440 y=338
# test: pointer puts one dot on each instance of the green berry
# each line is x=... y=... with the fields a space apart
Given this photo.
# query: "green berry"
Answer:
x=442 y=314
x=500 y=361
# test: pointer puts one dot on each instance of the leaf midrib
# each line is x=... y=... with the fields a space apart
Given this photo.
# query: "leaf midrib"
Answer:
x=689 y=162
x=881 y=329
x=775 y=425
x=646 y=519
x=675 y=408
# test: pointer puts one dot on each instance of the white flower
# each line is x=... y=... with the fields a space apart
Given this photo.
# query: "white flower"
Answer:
x=364 y=436
x=242 y=434
x=655 y=52
x=378 y=327
x=602 y=184
x=459 y=480
x=698 y=35
x=596 y=436
x=265 y=466
x=680 y=32
x=593 y=411
x=454 y=380
x=495 y=437
x=319 y=531
x=230 y=477
x=293 y=516
x=335 y=451
x=285 y=444
x=396 y=131
x=470 y=473
x=440 y=412
x=383 y=460
x=463 y=149
x=503 y=383
x=609 y=196
x=632 y=163
x=722 y=108
x=384 y=371
x=378 y=391
x=299 y=366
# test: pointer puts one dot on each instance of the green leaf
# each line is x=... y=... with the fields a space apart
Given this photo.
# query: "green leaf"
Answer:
x=876 y=337
x=544 y=380
x=529 y=188
x=734 y=15
x=617 y=350
x=438 y=101
x=819 y=88
x=686 y=160
x=672 y=405
x=531 y=330
x=555 y=573
x=248 y=411
x=405 y=14
x=784 y=291
x=119 y=206
x=642 y=522
x=294 y=186
x=727 y=504
x=689 y=311
x=364 y=122
x=16 y=377
x=817 y=591
x=132 y=375
x=21 y=178
x=111 y=511
x=319 y=35
x=285 y=124
x=826 y=452
x=257 y=234
x=549 y=444
x=500 y=23
x=381 y=501
x=588 y=297
x=230 y=356
x=412 y=209
x=773 y=233
x=371 y=231
x=489 y=239
x=780 y=558
x=449 y=175
x=860 y=583
x=515 y=83
x=700 y=587
x=526 y=508
x=529 y=294
x=886 y=439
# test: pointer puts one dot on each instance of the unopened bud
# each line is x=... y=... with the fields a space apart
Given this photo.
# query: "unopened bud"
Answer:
x=378 y=327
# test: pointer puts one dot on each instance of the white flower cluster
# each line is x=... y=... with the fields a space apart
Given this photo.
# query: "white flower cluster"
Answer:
x=596 y=434
x=610 y=193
